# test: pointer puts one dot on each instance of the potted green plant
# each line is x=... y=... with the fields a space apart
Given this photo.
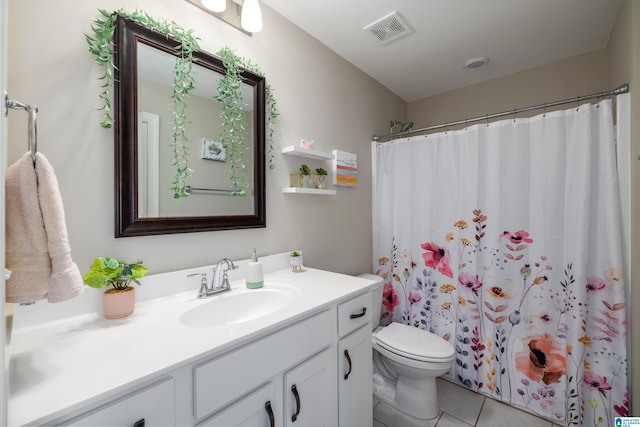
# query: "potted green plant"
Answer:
x=119 y=300
x=301 y=179
x=296 y=261
x=320 y=179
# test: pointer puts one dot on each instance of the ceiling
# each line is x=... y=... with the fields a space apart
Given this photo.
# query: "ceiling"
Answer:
x=515 y=34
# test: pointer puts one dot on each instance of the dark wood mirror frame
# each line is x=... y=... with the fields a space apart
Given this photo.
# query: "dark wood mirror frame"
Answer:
x=127 y=222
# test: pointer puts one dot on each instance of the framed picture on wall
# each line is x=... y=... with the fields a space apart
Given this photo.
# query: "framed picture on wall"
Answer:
x=345 y=169
x=213 y=150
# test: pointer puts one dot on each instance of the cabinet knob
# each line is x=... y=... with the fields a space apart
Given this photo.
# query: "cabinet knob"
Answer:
x=346 y=354
x=139 y=423
x=294 y=390
x=359 y=315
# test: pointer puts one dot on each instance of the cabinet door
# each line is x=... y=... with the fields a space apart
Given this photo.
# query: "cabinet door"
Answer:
x=310 y=392
x=354 y=379
x=258 y=409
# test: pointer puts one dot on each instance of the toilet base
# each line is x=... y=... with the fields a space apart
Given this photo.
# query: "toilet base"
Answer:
x=417 y=398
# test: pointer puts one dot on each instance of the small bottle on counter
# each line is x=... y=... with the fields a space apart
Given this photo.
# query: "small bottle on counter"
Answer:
x=255 y=278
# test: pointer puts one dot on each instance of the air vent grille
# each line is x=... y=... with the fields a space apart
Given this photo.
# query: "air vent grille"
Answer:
x=389 y=28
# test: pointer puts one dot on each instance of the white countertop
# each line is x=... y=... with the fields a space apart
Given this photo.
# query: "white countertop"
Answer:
x=65 y=365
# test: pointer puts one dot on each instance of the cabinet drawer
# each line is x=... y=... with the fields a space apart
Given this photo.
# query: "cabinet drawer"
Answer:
x=224 y=379
x=153 y=406
x=354 y=313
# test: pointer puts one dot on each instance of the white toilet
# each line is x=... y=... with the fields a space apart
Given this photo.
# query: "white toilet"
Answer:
x=406 y=362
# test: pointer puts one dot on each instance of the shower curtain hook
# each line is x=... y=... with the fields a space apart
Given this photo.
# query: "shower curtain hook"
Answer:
x=578 y=103
x=514 y=115
x=486 y=120
x=544 y=111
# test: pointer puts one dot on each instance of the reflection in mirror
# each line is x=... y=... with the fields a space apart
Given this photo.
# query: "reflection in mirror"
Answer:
x=143 y=132
x=209 y=180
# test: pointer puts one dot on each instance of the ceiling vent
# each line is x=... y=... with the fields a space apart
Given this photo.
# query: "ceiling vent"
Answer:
x=389 y=28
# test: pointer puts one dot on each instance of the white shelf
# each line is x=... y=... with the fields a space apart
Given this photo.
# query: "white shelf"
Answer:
x=300 y=190
x=292 y=150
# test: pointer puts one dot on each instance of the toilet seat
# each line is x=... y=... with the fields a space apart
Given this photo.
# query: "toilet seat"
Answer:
x=413 y=343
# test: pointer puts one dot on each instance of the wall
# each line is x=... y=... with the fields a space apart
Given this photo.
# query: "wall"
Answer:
x=624 y=59
x=576 y=76
x=320 y=96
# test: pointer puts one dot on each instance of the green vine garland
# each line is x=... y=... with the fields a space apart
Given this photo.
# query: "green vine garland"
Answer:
x=229 y=94
x=101 y=46
x=231 y=82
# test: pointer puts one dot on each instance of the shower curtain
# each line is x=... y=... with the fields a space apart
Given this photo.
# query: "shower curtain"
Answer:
x=505 y=240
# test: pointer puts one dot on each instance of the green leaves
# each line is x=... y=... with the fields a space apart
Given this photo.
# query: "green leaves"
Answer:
x=100 y=44
x=229 y=95
x=118 y=273
x=232 y=135
x=101 y=47
x=183 y=83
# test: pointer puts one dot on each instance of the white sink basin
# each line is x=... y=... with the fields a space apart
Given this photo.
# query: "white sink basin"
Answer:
x=237 y=306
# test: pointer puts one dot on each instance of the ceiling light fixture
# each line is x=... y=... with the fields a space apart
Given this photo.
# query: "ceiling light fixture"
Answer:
x=215 y=5
x=475 y=63
x=246 y=16
x=251 y=17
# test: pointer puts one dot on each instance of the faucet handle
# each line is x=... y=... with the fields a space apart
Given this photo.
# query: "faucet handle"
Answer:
x=203 y=283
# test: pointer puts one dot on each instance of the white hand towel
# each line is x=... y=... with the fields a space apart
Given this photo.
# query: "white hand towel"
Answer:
x=37 y=247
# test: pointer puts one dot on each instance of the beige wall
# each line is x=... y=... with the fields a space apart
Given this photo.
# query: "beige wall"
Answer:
x=320 y=96
x=580 y=75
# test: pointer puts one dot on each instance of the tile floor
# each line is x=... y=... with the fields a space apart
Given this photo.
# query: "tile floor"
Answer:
x=461 y=408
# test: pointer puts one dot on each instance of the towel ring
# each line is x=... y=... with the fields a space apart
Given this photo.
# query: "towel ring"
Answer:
x=32 y=142
x=32 y=111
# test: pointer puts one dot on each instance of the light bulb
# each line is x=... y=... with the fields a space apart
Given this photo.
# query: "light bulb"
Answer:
x=215 y=5
x=251 y=17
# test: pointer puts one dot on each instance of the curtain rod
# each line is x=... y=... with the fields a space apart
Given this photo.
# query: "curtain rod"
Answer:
x=617 y=91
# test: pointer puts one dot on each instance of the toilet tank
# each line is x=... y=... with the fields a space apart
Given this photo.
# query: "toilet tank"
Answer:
x=376 y=298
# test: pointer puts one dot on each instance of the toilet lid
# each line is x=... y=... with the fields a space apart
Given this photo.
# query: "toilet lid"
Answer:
x=414 y=342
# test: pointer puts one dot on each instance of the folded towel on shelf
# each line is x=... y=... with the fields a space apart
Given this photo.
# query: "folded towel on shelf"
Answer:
x=37 y=247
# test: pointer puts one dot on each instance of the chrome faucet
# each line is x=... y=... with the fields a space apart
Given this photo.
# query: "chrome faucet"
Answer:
x=215 y=288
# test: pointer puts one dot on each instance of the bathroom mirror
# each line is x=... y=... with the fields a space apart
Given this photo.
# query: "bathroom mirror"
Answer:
x=143 y=142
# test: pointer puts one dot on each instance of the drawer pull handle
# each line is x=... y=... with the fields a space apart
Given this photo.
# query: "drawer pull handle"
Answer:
x=294 y=390
x=346 y=354
x=267 y=407
x=359 y=315
x=139 y=423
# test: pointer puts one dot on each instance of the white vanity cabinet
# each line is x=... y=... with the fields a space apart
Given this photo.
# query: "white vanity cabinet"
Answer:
x=354 y=362
x=305 y=365
x=300 y=357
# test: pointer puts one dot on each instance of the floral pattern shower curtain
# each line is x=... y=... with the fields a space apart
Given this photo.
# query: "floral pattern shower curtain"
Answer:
x=505 y=240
